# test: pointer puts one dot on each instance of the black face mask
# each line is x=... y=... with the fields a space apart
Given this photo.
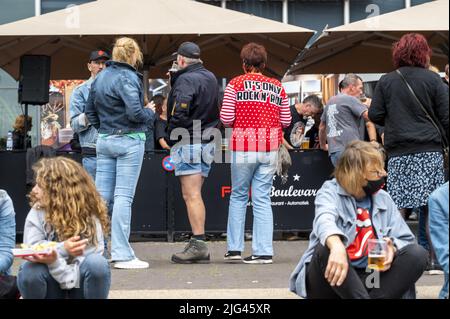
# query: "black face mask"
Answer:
x=374 y=186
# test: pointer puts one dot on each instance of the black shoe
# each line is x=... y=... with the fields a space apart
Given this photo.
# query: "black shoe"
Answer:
x=258 y=260
x=232 y=255
x=433 y=268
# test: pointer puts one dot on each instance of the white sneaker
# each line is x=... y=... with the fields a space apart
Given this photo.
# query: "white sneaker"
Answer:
x=131 y=264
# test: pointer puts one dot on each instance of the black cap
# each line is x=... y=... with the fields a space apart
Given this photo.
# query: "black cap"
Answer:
x=99 y=54
x=189 y=50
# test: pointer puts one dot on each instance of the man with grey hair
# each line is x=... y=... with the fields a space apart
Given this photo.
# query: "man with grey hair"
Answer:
x=343 y=118
x=193 y=99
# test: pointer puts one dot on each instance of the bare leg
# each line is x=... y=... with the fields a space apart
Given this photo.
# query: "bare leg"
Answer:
x=191 y=187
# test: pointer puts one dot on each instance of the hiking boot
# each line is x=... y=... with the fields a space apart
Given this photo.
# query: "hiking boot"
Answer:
x=233 y=255
x=258 y=260
x=196 y=251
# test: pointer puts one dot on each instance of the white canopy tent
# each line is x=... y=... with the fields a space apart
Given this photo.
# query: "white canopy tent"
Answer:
x=365 y=46
x=69 y=35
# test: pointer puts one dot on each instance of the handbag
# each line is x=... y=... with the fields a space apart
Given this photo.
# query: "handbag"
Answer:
x=284 y=163
x=8 y=287
x=432 y=119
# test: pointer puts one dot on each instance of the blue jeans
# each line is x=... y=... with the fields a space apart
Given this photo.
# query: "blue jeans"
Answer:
x=334 y=157
x=255 y=170
x=119 y=162
x=422 y=231
x=90 y=165
x=35 y=281
x=190 y=159
x=438 y=215
x=7 y=232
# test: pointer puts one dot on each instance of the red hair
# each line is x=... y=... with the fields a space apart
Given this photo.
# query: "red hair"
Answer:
x=411 y=50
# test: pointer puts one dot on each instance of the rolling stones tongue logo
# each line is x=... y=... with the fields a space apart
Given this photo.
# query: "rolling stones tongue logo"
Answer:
x=364 y=232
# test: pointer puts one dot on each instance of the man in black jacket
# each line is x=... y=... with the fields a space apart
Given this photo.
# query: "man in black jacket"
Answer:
x=193 y=114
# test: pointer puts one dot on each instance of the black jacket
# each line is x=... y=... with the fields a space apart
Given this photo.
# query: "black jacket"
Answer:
x=194 y=96
x=19 y=140
x=407 y=129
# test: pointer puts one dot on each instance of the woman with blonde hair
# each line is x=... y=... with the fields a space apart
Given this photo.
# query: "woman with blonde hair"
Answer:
x=116 y=109
x=351 y=209
x=69 y=215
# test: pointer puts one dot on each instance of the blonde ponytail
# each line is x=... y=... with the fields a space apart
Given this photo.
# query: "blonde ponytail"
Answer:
x=124 y=50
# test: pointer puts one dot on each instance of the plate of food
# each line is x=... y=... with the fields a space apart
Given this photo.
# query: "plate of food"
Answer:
x=25 y=250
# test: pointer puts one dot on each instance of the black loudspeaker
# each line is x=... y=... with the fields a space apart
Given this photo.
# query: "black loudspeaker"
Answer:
x=34 y=79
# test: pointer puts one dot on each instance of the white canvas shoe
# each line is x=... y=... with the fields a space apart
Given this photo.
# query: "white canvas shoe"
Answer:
x=131 y=264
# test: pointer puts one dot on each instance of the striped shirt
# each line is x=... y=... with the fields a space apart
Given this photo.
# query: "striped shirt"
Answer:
x=257 y=109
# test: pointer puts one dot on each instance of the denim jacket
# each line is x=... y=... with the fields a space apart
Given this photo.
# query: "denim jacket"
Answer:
x=438 y=212
x=336 y=215
x=78 y=121
x=7 y=233
x=115 y=103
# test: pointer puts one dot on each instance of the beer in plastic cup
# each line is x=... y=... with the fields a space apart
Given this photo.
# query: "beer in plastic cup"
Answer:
x=305 y=143
x=377 y=253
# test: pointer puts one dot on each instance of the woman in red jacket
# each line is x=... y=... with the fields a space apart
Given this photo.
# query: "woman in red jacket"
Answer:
x=257 y=109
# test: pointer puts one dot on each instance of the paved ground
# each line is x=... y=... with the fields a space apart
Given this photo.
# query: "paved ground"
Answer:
x=219 y=279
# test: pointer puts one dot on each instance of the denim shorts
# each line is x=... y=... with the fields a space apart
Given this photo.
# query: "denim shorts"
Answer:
x=193 y=159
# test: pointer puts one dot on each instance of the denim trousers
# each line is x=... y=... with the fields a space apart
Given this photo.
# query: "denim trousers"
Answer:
x=396 y=283
x=334 y=157
x=255 y=170
x=36 y=282
x=119 y=162
x=438 y=214
x=7 y=232
x=90 y=165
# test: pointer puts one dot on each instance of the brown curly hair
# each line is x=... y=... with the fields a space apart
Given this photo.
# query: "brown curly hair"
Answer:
x=70 y=199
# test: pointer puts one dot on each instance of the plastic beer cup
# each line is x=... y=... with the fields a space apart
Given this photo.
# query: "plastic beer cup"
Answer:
x=377 y=253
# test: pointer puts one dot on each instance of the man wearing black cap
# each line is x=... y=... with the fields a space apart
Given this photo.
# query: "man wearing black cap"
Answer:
x=78 y=120
x=193 y=97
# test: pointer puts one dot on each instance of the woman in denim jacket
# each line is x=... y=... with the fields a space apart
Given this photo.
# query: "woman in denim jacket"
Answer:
x=350 y=210
x=116 y=108
x=7 y=232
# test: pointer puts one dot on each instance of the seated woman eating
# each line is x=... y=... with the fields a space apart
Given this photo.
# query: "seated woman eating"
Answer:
x=350 y=210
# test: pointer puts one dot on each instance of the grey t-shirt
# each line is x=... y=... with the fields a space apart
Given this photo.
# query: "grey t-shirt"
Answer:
x=343 y=118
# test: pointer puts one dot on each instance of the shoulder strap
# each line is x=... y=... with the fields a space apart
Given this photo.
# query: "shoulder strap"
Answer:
x=428 y=115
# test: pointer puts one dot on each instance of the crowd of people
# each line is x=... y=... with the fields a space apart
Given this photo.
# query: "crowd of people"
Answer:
x=87 y=212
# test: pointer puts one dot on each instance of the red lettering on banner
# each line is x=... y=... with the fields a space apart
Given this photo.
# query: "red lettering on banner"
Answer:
x=226 y=190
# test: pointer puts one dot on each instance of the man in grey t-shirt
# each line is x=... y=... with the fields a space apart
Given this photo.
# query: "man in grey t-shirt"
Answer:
x=343 y=119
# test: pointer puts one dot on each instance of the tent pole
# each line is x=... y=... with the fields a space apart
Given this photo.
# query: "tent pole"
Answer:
x=37 y=7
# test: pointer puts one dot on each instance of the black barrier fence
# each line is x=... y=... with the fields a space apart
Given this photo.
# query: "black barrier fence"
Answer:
x=159 y=207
